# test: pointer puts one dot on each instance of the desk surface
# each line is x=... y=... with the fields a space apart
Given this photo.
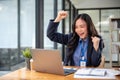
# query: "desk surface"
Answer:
x=23 y=74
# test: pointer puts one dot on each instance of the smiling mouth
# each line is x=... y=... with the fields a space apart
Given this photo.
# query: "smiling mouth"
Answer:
x=81 y=33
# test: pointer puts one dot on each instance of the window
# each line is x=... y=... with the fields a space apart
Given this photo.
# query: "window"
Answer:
x=27 y=23
x=48 y=14
x=8 y=34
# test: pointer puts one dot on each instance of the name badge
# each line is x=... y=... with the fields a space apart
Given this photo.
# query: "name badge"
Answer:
x=83 y=62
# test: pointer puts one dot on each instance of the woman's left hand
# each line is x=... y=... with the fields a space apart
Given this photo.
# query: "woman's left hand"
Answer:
x=95 y=41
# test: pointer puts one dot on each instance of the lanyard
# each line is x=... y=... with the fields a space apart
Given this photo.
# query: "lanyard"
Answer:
x=83 y=48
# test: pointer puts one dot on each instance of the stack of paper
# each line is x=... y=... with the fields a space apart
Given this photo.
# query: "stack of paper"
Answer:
x=90 y=72
x=96 y=73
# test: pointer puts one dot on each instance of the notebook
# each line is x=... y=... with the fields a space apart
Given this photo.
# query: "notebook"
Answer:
x=90 y=72
x=97 y=73
x=49 y=61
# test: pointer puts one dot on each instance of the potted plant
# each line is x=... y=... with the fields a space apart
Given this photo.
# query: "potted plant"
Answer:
x=27 y=54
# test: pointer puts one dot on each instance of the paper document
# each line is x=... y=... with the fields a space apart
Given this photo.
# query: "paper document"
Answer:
x=113 y=71
x=96 y=73
x=91 y=72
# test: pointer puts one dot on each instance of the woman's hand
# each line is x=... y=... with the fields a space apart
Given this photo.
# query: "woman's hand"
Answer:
x=95 y=41
x=61 y=15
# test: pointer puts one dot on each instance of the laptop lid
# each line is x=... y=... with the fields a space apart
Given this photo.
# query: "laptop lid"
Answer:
x=48 y=61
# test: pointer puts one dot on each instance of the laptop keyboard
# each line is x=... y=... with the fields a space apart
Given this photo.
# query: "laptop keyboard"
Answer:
x=69 y=70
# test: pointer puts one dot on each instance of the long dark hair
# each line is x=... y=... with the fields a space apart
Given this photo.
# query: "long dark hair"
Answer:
x=73 y=42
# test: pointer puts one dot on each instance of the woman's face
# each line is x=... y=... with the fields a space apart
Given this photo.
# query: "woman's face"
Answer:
x=81 y=28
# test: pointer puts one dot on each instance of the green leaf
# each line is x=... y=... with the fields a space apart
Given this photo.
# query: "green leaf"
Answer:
x=27 y=53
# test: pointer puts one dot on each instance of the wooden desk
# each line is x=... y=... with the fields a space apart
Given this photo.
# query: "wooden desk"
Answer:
x=23 y=74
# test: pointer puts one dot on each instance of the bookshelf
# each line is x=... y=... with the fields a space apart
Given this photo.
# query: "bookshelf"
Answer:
x=115 y=40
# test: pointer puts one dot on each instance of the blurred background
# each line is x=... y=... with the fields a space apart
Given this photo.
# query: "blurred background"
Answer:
x=23 y=24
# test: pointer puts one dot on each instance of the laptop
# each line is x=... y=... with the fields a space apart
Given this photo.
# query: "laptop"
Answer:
x=49 y=61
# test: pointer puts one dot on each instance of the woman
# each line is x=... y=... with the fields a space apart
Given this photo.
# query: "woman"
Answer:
x=84 y=45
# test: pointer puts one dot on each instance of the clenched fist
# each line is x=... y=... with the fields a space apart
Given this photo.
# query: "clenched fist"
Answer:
x=95 y=41
x=61 y=15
